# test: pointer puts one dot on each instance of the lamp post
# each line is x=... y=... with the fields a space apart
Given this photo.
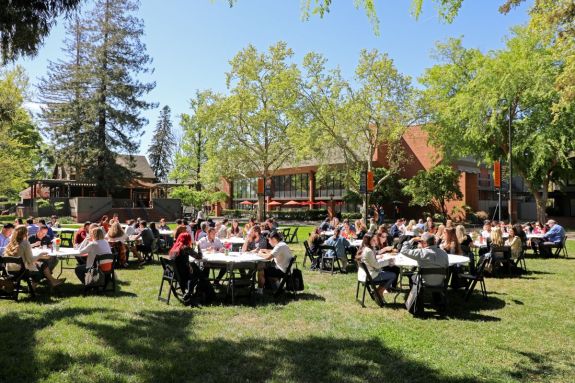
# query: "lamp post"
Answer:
x=510 y=207
x=331 y=205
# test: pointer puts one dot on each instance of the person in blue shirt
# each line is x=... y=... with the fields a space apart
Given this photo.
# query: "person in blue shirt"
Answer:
x=395 y=230
x=32 y=227
x=340 y=245
x=553 y=238
x=50 y=231
x=5 y=235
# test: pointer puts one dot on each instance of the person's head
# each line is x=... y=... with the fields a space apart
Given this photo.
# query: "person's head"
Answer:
x=225 y=221
x=450 y=235
x=18 y=221
x=256 y=231
x=179 y=231
x=104 y=219
x=381 y=230
x=7 y=230
x=512 y=232
x=30 y=221
x=54 y=218
x=460 y=233
x=42 y=232
x=179 y=222
x=211 y=233
x=440 y=231
x=185 y=222
x=87 y=225
x=275 y=238
x=420 y=221
x=336 y=232
x=162 y=221
x=235 y=224
x=551 y=223
x=42 y=221
x=358 y=225
x=497 y=236
x=116 y=230
x=367 y=241
x=96 y=234
x=449 y=223
x=398 y=222
x=427 y=239
x=153 y=225
x=411 y=224
x=184 y=239
x=518 y=230
x=204 y=226
x=143 y=224
x=20 y=234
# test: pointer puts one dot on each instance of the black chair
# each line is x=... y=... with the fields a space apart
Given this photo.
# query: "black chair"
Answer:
x=520 y=261
x=309 y=254
x=109 y=275
x=11 y=281
x=333 y=259
x=370 y=286
x=440 y=289
x=286 y=234
x=171 y=276
x=472 y=279
x=66 y=238
x=501 y=255
x=293 y=238
x=241 y=278
x=288 y=277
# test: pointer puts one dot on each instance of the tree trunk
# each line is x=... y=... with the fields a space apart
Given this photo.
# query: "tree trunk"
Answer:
x=541 y=202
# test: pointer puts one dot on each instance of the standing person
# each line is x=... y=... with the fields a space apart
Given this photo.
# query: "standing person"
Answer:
x=375 y=267
x=95 y=245
x=340 y=244
x=38 y=265
x=5 y=234
x=281 y=255
x=201 y=217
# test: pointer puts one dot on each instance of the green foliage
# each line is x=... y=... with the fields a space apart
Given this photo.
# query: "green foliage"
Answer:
x=25 y=24
x=290 y=215
x=197 y=198
x=162 y=146
x=435 y=186
x=472 y=98
x=43 y=203
x=21 y=140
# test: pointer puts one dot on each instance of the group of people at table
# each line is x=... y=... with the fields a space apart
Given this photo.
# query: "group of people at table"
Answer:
x=109 y=235
x=424 y=241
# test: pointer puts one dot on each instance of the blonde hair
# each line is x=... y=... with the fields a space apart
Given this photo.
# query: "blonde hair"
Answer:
x=20 y=233
x=497 y=236
x=411 y=225
x=115 y=231
x=440 y=230
x=97 y=233
x=460 y=233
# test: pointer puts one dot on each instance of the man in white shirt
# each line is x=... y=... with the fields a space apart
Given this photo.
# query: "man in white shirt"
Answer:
x=210 y=242
x=281 y=255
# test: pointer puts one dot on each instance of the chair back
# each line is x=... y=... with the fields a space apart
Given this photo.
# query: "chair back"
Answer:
x=444 y=272
x=503 y=252
x=368 y=278
x=323 y=249
x=293 y=237
x=5 y=261
x=100 y=258
x=308 y=251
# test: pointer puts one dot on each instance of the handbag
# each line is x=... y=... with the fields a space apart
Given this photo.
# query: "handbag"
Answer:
x=94 y=276
x=295 y=283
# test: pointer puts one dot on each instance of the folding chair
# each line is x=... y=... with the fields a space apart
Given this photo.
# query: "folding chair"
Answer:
x=171 y=276
x=309 y=254
x=562 y=248
x=11 y=281
x=501 y=254
x=324 y=250
x=109 y=275
x=440 y=289
x=287 y=277
x=477 y=277
x=368 y=285
x=520 y=261
x=294 y=238
x=241 y=277
x=67 y=239
x=286 y=234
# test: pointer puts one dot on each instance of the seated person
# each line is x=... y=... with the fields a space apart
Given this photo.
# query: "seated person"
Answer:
x=32 y=227
x=117 y=238
x=130 y=229
x=374 y=266
x=163 y=225
x=515 y=243
x=427 y=255
x=202 y=232
x=395 y=231
x=553 y=238
x=210 y=242
x=222 y=229
x=147 y=238
x=255 y=241
x=360 y=229
x=19 y=247
x=281 y=256
x=348 y=231
x=54 y=222
x=325 y=226
x=50 y=234
x=41 y=239
x=314 y=241
x=5 y=235
x=235 y=230
x=180 y=253
x=93 y=246
x=340 y=244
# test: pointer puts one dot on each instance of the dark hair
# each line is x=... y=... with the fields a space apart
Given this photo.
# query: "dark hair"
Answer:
x=87 y=223
x=275 y=235
x=152 y=225
x=185 y=222
x=30 y=221
x=336 y=232
x=366 y=241
x=179 y=222
x=42 y=221
x=19 y=220
x=54 y=216
x=143 y=223
x=9 y=226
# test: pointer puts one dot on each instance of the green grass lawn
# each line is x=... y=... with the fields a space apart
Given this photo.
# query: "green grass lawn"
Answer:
x=524 y=333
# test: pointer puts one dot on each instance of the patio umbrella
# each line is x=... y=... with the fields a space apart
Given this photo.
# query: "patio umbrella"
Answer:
x=246 y=203
x=304 y=203
x=274 y=203
x=321 y=203
x=292 y=203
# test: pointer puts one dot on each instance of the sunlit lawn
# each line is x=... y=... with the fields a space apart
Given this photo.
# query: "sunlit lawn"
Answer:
x=525 y=333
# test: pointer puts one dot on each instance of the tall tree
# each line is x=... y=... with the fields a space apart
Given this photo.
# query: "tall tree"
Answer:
x=347 y=125
x=253 y=120
x=67 y=95
x=197 y=127
x=473 y=99
x=161 y=148
x=25 y=23
x=118 y=57
x=20 y=137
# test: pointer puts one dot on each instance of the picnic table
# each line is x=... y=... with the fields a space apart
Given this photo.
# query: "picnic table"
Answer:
x=403 y=261
x=63 y=254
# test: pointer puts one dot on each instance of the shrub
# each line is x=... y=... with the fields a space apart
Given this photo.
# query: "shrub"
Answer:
x=351 y=216
x=481 y=215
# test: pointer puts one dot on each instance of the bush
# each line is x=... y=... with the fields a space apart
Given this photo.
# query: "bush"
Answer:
x=351 y=216
x=7 y=218
x=481 y=215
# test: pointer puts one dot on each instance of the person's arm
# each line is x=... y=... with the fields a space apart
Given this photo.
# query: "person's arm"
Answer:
x=410 y=253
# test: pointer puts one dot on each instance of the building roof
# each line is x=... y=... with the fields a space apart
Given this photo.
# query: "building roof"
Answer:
x=138 y=164
x=43 y=192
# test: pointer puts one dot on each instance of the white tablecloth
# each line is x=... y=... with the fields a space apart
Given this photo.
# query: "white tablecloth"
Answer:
x=529 y=236
x=64 y=252
x=403 y=261
x=233 y=257
x=234 y=240
x=328 y=233
x=166 y=232
x=355 y=242
x=64 y=229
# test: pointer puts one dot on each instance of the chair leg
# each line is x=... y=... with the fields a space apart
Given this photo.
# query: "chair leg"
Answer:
x=470 y=289
x=363 y=298
x=483 y=290
x=357 y=290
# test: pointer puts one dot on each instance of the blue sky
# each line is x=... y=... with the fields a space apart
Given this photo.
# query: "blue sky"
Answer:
x=191 y=41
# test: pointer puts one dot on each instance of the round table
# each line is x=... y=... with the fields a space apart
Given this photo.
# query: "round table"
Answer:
x=403 y=261
x=63 y=254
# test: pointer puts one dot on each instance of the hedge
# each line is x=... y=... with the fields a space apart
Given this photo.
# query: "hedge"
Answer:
x=301 y=215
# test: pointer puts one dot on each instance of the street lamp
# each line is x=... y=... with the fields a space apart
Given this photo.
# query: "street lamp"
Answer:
x=331 y=204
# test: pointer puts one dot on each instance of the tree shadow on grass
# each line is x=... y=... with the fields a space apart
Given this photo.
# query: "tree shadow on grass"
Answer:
x=162 y=346
x=541 y=367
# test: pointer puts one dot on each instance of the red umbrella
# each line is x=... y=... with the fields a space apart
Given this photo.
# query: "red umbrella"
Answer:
x=246 y=203
x=274 y=203
x=321 y=203
x=292 y=203
x=339 y=203
x=306 y=203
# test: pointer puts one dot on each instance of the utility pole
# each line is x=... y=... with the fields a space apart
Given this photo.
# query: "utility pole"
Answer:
x=510 y=207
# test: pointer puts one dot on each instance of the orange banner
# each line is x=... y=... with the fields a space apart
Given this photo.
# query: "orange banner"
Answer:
x=260 y=186
x=370 y=182
x=497 y=174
